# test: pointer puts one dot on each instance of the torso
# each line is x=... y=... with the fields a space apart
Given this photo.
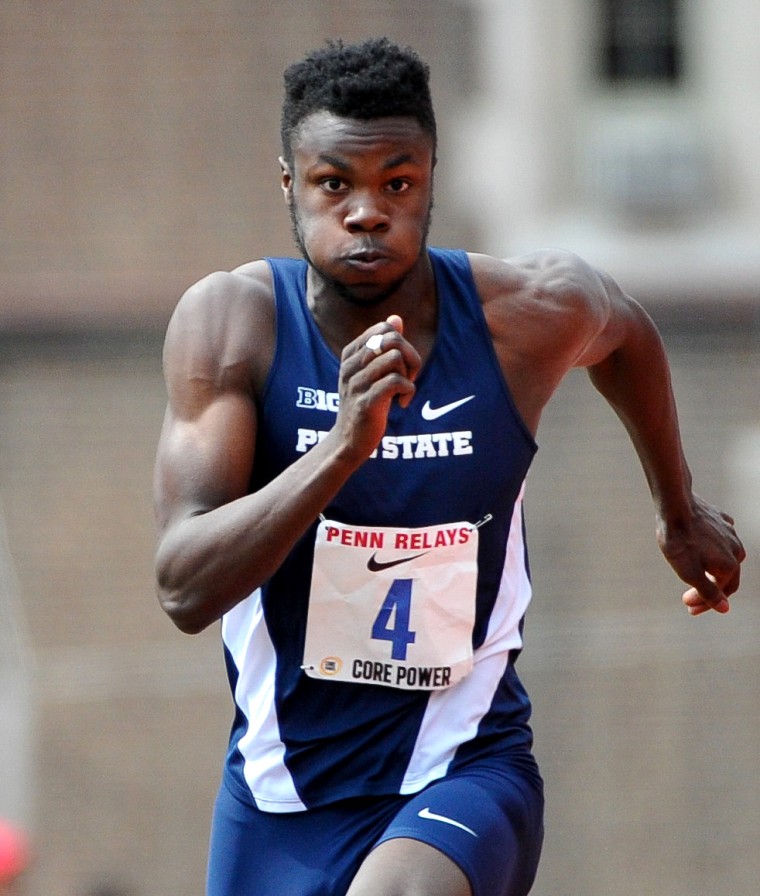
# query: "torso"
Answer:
x=462 y=464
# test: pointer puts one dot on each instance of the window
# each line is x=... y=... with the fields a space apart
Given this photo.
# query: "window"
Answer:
x=640 y=41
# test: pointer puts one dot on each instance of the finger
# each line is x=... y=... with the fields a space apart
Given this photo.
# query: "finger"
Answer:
x=735 y=546
x=707 y=596
x=699 y=609
x=391 y=376
x=696 y=609
x=411 y=355
x=358 y=345
x=380 y=367
x=391 y=342
x=730 y=583
x=696 y=605
x=374 y=341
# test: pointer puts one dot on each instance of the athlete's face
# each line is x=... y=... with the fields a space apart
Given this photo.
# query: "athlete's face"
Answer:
x=360 y=196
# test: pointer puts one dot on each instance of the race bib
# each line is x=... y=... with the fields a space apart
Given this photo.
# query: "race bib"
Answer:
x=393 y=607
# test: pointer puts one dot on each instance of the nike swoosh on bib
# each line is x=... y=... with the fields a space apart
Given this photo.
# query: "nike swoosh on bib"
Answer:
x=374 y=565
x=432 y=816
x=429 y=413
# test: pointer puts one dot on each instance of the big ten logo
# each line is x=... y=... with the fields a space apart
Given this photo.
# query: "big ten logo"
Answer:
x=317 y=399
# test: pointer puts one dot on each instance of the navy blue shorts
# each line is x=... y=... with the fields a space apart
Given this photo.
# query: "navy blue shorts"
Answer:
x=489 y=822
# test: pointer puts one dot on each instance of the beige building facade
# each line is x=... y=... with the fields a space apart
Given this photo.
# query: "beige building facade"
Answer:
x=626 y=132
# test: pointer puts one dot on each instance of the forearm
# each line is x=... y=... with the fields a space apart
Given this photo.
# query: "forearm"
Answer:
x=635 y=380
x=208 y=561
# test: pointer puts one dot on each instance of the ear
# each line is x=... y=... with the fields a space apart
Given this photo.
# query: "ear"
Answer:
x=286 y=181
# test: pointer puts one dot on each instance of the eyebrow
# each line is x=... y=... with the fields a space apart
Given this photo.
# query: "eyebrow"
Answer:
x=341 y=165
x=400 y=159
x=334 y=161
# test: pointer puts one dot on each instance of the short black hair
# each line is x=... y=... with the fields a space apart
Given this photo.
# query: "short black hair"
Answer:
x=373 y=79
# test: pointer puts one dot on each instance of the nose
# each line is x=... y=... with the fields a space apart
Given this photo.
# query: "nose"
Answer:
x=366 y=215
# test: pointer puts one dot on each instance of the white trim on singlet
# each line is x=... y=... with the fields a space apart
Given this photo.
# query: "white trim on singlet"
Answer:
x=245 y=635
x=468 y=702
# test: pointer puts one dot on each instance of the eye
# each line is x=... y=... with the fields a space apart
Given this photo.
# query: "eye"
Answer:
x=398 y=185
x=333 y=184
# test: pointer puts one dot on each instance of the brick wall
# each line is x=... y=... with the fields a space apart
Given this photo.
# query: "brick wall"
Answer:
x=139 y=141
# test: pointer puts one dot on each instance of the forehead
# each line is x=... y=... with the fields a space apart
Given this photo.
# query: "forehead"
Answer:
x=324 y=133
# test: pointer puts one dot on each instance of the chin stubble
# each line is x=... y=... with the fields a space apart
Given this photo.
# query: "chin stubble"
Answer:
x=345 y=292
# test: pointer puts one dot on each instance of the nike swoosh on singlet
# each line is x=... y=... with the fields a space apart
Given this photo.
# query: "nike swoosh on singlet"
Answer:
x=426 y=813
x=374 y=565
x=429 y=413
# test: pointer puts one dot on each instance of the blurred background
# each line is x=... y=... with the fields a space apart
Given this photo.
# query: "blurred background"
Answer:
x=138 y=152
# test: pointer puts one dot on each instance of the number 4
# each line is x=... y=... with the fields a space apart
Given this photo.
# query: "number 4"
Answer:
x=399 y=598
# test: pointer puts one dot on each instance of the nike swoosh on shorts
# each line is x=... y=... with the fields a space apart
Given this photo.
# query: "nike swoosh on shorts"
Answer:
x=432 y=816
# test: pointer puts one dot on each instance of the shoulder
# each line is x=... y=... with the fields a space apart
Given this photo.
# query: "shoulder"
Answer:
x=217 y=297
x=546 y=313
x=544 y=275
x=222 y=329
x=550 y=299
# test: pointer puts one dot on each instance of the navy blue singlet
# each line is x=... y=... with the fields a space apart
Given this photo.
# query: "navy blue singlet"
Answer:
x=459 y=452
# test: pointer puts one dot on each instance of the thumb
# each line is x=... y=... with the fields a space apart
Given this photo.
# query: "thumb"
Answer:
x=396 y=322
